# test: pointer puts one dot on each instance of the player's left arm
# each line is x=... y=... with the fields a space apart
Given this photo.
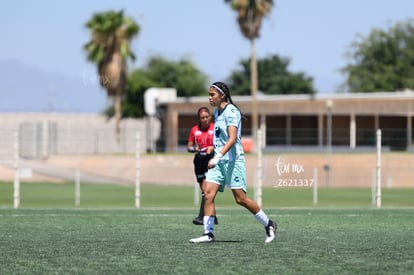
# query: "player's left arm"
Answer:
x=232 y=138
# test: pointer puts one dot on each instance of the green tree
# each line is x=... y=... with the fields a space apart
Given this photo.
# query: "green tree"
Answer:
x=109 y=48
x=182 y=75
x=274 y=78
x=383 y=60
x=250 y=14
x=159 y=72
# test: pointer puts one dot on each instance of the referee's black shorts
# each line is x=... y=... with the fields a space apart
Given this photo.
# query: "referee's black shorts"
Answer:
x=200 y=165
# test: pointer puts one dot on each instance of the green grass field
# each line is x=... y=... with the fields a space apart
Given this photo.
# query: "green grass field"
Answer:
x=344 y=234
x=126 y=241
x=42 y=195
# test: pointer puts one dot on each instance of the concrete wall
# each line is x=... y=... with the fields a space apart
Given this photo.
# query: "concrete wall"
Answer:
x=280 y=170
x=43 y=134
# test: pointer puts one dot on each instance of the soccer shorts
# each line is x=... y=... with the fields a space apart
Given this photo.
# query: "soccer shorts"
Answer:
x=200 y=165
x=230 y=174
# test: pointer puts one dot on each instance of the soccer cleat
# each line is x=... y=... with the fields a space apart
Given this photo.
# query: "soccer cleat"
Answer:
x=198 y=221
x=270 y=231
x=206 y=238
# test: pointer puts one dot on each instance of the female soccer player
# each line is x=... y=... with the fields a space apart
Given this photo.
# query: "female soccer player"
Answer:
x=200 y=142
x=228 y=168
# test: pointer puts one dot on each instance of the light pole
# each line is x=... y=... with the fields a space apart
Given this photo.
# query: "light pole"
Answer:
x=329 y=105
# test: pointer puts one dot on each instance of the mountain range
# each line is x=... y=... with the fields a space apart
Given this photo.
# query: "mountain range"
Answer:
x=26 y=88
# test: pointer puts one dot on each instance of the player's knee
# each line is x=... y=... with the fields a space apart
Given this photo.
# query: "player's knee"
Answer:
x=208 y=195
x=240 y=200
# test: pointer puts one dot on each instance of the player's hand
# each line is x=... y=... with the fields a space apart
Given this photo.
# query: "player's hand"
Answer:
x=210 y=150
x=215 y=160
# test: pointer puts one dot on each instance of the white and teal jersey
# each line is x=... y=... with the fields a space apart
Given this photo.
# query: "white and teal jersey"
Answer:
x=230 y=116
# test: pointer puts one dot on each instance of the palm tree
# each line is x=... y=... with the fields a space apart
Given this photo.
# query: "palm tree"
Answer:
x=109 y=48
x=250 y=15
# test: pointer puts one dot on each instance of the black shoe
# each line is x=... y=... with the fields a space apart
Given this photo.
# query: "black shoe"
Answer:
x=198 y=221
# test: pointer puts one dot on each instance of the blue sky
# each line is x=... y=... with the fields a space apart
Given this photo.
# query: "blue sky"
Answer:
x=315 y=35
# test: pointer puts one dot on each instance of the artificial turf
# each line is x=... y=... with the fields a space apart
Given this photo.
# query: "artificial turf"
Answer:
x=156 y=241
x=51 y=195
